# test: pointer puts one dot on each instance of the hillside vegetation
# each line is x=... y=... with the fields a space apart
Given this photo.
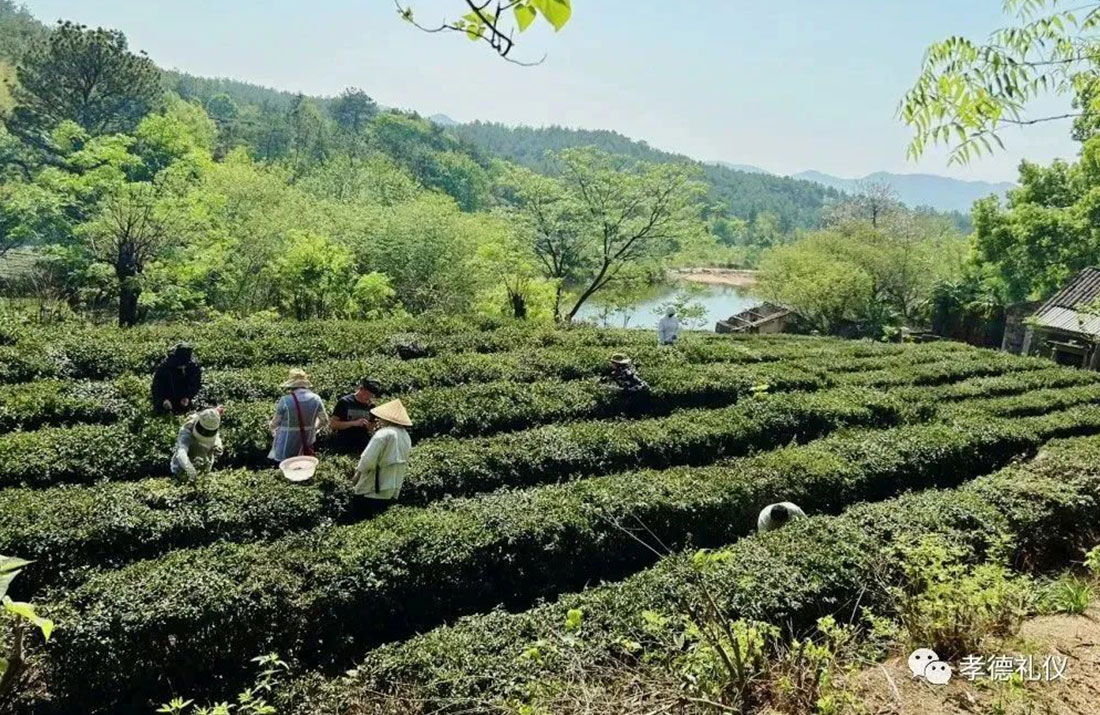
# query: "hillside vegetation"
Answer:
x=524 y=473
x=790 y=203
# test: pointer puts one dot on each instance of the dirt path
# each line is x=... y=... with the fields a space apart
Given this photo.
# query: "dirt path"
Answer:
x=890 y=689
x=717 y=276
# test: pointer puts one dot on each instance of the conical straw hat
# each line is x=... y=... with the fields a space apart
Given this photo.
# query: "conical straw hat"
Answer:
x=393 y=411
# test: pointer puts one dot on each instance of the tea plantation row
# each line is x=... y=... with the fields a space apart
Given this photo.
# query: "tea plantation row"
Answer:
x=1045 y=510
x=198 y=612
x=123 y=451
x=55 y=402
x=115 y=522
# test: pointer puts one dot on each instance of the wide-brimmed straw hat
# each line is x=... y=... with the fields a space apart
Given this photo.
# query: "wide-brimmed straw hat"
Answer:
x=620 y=359
x=297 y=378
x=393 y=412
x=205 y=428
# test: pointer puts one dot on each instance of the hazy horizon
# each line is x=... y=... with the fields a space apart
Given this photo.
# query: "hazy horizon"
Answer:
x=781 y=88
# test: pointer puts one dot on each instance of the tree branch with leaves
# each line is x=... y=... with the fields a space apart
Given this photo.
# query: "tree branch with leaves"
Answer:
x=968 y=92
x=496 y=22
x=15 y=617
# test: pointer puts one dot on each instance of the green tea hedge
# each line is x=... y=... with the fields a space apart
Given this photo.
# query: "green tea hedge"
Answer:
x=1046 y=509
x=66 y=528
x=96 y=353
x=966 y=365
x=1011 y=383
x=197 y=612
x=58 y=402
x=87 y=453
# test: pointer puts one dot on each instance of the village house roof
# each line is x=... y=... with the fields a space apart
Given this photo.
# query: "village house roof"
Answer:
x=1060 y=311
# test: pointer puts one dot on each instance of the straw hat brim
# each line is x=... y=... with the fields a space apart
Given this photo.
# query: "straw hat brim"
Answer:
x=295 y=384
x=393 y=412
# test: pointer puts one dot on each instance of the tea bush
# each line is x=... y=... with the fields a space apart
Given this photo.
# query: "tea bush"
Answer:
x=86 y=453
x=410 y=568
x=69 y=527
x=808 y=569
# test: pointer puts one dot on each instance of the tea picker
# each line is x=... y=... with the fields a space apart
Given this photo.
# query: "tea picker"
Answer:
x=176 y=380
x=624 y=376
x=775 y=516
x=198 y=443
x=384 y=463
x=668 y=328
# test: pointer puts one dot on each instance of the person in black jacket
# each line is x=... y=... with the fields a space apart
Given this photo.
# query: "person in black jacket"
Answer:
x=177 y=380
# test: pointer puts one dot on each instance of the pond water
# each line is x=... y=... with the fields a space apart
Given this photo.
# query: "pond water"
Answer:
x=713 y=303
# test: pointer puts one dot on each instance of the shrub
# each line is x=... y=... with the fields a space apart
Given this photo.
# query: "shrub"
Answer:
x=304 y=595
x=814 y=567
x=32 y=404
x=87 y=453
x=71 y=527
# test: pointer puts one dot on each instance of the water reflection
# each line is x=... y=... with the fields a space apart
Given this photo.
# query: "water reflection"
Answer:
x=717 y=302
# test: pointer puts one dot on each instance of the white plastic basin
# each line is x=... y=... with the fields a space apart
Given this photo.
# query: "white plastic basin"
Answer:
x=298 y=469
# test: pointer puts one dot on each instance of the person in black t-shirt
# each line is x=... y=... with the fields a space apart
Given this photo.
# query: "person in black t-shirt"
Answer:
x=352 y=421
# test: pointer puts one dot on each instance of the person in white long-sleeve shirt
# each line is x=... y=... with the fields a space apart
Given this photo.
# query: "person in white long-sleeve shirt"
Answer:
x=774 y=516
x=198 y=444
x=384 y=463
x=668 y=328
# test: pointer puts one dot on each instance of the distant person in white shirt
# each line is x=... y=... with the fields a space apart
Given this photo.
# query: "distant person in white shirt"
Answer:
x=668 y=328
x=774 y=516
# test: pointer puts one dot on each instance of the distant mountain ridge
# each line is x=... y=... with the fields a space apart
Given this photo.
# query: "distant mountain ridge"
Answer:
x=747 y=193
x=940 y=192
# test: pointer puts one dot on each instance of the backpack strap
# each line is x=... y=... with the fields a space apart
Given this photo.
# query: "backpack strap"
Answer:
x=306 y=449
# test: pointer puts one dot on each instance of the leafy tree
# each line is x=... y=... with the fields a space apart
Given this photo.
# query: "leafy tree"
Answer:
x=314 y=277
x=426 y=247
x=84 y=76
x=826 y=290
x=134 y=224
x=225 y=114
x=555 y=227
x=29 y=214
x=605 y=215
x=883 y=275
x=353 y=110
x=968 y=91
x=1047 y=232
x=308 y=135
x=874 y=201
x=433 y=157
x=373 y=296
x=374 y=179
x=18 y=30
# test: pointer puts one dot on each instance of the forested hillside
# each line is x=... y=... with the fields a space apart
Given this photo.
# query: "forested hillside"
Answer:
x=794 y=204
x=157 y=195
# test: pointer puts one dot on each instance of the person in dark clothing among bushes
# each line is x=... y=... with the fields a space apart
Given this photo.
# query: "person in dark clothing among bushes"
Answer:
x=352 y=421
x=624 y=376
x=177 y=380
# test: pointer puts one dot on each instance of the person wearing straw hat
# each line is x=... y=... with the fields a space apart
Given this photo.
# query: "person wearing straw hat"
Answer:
x=299 y=415
x=624 y=376
x=198 y=443
x=383 y=464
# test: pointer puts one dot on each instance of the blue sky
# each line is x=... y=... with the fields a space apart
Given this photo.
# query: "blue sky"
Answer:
x=785 y=86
